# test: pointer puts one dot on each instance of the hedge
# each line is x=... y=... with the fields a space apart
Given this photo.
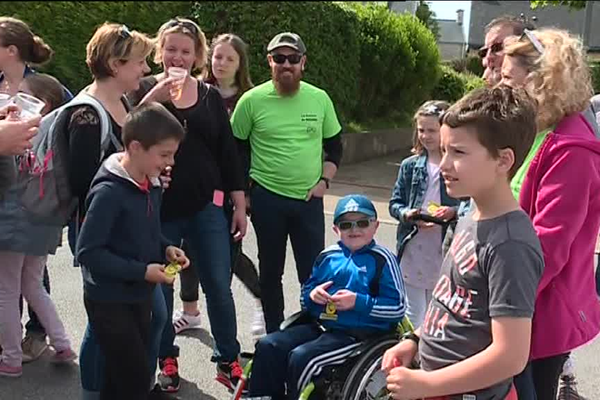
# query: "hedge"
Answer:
x=595 y=69
x=470 y=64
x=327 y=29
x=454 y=85
x=67 y=26
x=420 y=81
x=399 y=61
x=373 y=63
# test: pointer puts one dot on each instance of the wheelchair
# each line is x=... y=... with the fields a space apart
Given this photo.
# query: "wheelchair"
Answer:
x=358 y=378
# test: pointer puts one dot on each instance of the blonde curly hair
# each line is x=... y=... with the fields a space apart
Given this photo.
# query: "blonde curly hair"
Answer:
x=558 y=78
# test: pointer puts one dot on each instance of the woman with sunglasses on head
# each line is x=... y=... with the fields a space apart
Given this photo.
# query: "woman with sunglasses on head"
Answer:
x=229 y=73
x=558 y=187
x=420 y=189
x=116 y=58
x=206 y=167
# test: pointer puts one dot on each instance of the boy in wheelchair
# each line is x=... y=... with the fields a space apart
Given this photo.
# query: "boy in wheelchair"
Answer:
x=355 y=292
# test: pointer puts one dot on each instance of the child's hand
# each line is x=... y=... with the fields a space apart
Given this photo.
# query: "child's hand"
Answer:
x=445 y=213
x=401 y=355
x=319 y=294
x=407 y=384
x=412 y=214
x=344 y=300
x=176 y=255
x=155 y=273
x=425 y=225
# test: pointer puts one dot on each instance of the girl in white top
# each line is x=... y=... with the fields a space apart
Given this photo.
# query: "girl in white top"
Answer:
x=420 y=189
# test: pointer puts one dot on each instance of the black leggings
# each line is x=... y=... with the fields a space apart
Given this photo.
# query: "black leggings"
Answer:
x=546 y=373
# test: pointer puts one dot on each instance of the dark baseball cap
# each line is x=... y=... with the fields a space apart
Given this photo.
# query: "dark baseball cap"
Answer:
x=287 y=39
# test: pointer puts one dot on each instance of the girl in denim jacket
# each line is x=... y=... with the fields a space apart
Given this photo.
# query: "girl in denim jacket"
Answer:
x=420 y=189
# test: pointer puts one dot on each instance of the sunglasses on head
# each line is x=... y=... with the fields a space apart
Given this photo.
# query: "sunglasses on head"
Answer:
x=495 y=48
x=361 y=224
x=292 y=58
x=534 y=41
x=124 y=34
x=184 y=24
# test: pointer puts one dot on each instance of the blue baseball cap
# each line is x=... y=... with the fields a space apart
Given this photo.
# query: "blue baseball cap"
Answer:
x=354 y=203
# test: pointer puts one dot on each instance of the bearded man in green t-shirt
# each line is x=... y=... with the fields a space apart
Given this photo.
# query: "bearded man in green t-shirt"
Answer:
x=290 y=136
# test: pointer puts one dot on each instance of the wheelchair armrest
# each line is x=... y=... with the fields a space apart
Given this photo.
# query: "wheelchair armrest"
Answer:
x=298 y=318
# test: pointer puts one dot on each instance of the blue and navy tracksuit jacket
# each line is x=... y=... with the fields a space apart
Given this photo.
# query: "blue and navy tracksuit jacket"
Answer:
x=380 y=297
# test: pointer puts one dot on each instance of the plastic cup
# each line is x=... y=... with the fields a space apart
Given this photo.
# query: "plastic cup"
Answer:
x=179 y=75
x=30 y=106
x=5 y=99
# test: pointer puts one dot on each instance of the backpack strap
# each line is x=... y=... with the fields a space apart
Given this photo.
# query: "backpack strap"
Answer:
x=107 y=135
x=379 y=264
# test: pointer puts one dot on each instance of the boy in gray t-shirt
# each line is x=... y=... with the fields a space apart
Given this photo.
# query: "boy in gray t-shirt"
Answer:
x=477 y=330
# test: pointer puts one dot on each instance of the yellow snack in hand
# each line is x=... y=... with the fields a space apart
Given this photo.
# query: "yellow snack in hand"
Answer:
x=432 y=208
x=172 y=269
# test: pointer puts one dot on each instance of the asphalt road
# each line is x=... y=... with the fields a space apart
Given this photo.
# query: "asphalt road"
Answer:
x=41 y=380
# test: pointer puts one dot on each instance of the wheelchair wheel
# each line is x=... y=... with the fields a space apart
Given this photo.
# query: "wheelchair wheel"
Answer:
x=366 y=381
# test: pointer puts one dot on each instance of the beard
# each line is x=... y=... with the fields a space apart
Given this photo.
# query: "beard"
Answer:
x=286 y=84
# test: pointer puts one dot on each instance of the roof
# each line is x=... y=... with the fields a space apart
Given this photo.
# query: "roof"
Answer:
x=482 y=12
x=451 y=32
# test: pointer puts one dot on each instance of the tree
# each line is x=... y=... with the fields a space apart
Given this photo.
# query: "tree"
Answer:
x=572 y=4
x=425 y=15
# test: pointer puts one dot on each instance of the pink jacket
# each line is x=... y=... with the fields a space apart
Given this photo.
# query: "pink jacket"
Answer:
x=561 y=194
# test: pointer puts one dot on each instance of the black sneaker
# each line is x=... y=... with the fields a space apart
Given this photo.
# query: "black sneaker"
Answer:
x=229 y=374
x=568 y=389
x=168 y=379
x=157 y=394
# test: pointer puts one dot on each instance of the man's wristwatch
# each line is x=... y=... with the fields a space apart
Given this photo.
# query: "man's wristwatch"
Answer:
x=326 y=180
x=411 y=336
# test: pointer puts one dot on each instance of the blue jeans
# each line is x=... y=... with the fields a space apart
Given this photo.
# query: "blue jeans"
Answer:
x=91 y=359
x=598 y=274
x=207 y=236
x=274 y=218
x=524 y=384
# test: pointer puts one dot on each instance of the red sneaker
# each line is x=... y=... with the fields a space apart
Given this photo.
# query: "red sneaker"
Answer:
x=229 y=374
x=168 y=379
